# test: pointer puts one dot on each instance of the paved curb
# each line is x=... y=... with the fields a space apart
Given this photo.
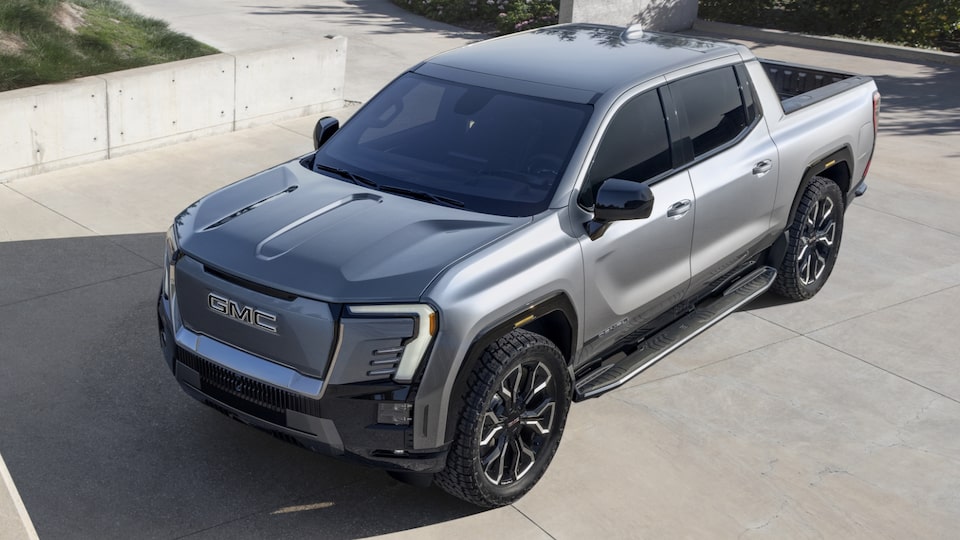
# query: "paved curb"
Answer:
x=849 y=46
x=15 y=523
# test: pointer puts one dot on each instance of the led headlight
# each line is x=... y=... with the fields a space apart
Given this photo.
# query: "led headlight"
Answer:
x=414 y=348
x=171 y=253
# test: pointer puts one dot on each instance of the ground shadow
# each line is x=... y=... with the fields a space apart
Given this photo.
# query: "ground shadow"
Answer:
x=102 y=443
x=382 y=16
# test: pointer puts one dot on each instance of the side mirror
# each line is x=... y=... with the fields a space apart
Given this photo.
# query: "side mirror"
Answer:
x=324 y=129
x=619 y=200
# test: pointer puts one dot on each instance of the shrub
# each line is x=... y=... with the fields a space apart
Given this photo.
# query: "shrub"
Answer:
x=925 y=23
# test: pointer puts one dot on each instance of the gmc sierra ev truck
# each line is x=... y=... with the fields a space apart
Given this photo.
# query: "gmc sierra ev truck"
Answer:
x=505 y=229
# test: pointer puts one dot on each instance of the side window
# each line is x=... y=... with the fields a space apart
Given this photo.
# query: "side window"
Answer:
x=634 y=147
x=713 y=107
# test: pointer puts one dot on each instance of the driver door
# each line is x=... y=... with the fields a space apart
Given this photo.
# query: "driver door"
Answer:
x=638 y=268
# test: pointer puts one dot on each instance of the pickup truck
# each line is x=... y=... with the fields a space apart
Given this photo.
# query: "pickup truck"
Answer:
x=505 y=229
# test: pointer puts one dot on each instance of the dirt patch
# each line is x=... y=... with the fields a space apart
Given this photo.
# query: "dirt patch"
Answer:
x=11 y=44
x=69 y=16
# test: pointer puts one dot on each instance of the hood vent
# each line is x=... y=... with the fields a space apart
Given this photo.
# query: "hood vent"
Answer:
x=246 y=209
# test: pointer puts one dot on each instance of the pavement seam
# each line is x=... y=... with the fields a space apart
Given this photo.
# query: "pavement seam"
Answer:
x=537 y=525
x=715 y=362
x=78 y=287
x=855 y=317
x=908 y=220
x=81 y=225
x=71 y=220
x=885 y=370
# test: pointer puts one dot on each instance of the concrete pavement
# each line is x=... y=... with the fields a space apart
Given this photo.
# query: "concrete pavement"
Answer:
x=383 y=39
x=835 y=417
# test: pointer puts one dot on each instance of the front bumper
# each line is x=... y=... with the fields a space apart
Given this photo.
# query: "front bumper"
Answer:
x=337 y=420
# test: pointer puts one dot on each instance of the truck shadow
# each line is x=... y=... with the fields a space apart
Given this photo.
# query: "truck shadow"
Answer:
x=102 y=443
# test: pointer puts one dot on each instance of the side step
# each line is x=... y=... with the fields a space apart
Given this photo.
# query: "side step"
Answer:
x=677 y=333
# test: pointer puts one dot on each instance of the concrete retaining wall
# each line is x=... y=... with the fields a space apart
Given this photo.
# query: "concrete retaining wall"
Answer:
x=661 y=15
x=53 y=126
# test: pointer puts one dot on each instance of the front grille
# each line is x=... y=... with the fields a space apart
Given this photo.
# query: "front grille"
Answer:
x=218 y=382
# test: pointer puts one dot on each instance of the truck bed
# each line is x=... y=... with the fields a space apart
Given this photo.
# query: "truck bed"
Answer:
x=801 y=86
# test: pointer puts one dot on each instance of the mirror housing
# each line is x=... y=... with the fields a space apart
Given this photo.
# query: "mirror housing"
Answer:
x=619 y=200
x=324 y=129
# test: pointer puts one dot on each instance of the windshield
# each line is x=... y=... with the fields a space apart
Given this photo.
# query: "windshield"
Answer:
x=485 y=150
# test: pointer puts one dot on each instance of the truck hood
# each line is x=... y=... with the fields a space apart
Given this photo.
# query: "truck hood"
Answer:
x=298 y=231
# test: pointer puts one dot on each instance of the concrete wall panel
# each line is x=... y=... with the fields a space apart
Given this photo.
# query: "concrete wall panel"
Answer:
x=167 y=103
x=52 y=126
x=659 y=15
x=286 y=83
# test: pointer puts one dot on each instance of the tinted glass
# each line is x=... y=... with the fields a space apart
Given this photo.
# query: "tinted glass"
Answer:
x=497 y=152
x=713 y=108
x=635 y=146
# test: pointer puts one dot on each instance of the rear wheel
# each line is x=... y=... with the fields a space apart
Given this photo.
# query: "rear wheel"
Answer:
x=814 y=241
x=511 y=421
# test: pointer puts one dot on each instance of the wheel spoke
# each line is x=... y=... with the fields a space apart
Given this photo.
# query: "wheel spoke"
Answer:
x=526 y=458
x=805 y=265
x=495 y=426
x=826 y=234
x=819 y=266
x=826 y=210
x=539 y=378
x=495 y=461
x=510 y=386
x=541 y=419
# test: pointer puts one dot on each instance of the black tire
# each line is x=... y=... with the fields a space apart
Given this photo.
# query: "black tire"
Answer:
x=814 y=241
x=501 y=447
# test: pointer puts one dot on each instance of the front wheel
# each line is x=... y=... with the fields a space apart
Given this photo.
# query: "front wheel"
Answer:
x=814 y=241
x=511 y=421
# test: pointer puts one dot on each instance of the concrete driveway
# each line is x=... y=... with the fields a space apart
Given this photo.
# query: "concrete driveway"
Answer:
x=838 y=417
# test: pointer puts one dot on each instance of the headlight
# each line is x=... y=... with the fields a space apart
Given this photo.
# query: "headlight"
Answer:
x=171 y=253
x=414 y=348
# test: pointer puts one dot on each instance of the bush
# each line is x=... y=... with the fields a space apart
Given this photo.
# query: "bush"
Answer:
x=925 y=23
x=504 y=16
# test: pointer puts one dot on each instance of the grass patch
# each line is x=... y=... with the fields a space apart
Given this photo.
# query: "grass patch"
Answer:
x=47 y=41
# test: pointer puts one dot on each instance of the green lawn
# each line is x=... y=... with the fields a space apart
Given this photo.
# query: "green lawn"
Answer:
x=46 y=41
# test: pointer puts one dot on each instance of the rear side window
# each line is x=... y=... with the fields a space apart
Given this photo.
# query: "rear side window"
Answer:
x=635 y=146
x=713 y=108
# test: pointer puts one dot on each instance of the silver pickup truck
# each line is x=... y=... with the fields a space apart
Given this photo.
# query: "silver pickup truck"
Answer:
x=505 y=229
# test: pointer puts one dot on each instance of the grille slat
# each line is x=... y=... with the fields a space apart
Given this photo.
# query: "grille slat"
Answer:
x=261 y=394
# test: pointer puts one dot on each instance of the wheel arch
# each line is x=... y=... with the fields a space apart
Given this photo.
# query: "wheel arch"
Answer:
x=836 y=166
x=553 y=317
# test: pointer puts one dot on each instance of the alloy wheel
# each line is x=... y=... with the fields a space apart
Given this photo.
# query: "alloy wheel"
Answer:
x=517 y=423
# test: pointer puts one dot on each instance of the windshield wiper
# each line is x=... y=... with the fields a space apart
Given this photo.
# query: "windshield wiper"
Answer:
x=422 y=196
x=353 y=177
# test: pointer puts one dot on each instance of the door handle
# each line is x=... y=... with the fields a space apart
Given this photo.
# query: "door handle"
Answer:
x=763 y=167
x=677 y=210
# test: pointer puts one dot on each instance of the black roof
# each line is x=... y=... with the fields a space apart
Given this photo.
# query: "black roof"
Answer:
x=584 y=57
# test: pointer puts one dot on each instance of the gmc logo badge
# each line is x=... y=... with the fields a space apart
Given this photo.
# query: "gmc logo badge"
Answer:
x=245 y=314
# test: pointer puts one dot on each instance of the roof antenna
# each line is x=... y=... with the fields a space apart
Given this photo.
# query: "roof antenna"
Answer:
x=633 y=32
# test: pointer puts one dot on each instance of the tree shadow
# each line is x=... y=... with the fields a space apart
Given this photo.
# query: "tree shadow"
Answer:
x=102 y=443
x=926 y=105
x=380 y=16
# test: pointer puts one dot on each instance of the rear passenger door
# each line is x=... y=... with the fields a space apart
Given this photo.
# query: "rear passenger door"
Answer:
x=734 y=169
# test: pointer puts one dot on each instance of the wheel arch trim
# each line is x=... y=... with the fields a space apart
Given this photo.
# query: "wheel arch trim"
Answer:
x=557 y=302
